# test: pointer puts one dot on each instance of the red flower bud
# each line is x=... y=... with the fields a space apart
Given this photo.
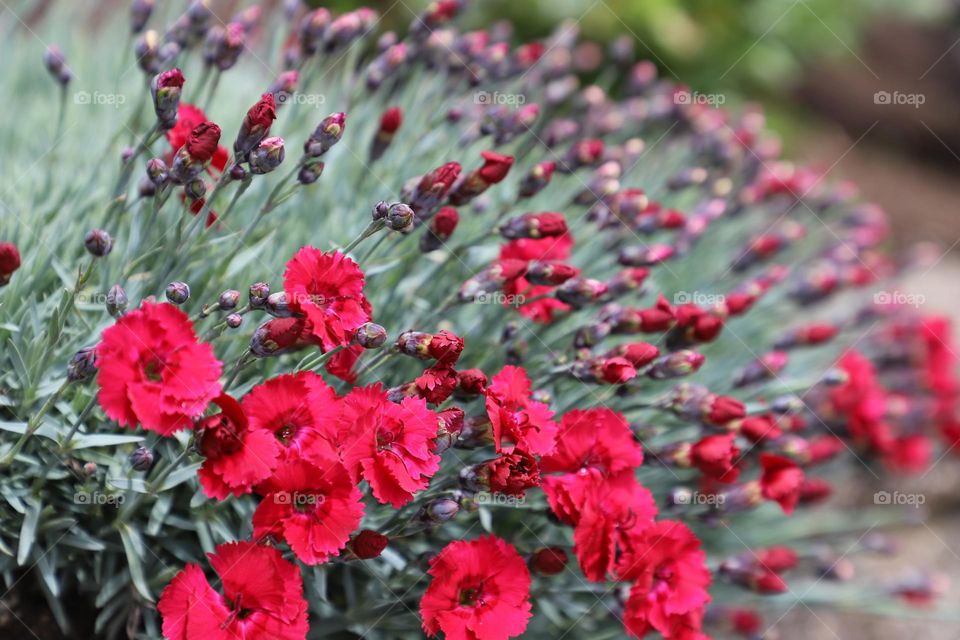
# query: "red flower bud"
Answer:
x=758 y=428
x=639 y=354
x=722 y=409
x=391 y=120
x=815 y=490
x=549 y=561
x=616 y=370
x=471 y=382
x=203 y=140
x=550 y=273
x=824 y=448
x=367 y=544
x=495 y=166
x=510 y=474
x=9 y=261
x=534 y=225
x=445 y=347
x=716 y=457
x=777 y=559
x=780 y=480
x=256 y=124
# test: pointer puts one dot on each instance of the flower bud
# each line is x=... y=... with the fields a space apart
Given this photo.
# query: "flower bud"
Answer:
x=147 y=52
x=228 y=299
x=312 y=28
x=400 y=217
x=267 y=156
x=284 y=86
x=177 y=292
x=578 y=292
x=258 y=294
x=390 y=123
x=157 y=171
x=276 y=337
x=371 y=336
x=255 y=126
x=494 y=170
x=277 y=306
x=9 y=261
x=140 y=11
x=82 y=365
x=550 y=274
x=234 y=320
x=327 y=134
x=440 y=228
x=534 y=225
x=223 y=45
x=440 y=510
x=238 y=173
x=166 y=88
x=549 y=561
x=367 y=544
x=538 y=178
x=56 y=64
x=98 y=242
x=116 y=301
x=675 y=365
x=432 y=188
x=310 y=172
x=195 y=189
x=142 y=459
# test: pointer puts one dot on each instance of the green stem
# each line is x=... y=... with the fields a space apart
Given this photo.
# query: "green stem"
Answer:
x=33 y=424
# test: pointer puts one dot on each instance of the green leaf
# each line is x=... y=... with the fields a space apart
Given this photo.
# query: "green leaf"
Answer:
x=129 y=484
x=180 y=476
x=134 y=548
x=103 y=440
x=28 y=531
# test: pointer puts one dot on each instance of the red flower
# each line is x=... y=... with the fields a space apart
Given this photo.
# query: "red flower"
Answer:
x=511 y=473
x=342 y=362
x=262 y=598
x=436 y=384
x=516 y=419
x=545 y=249
x=480 y=591
x=723 y=409
x=154 y=372
x=596 y=440
x=328 y=289
x=256 y=125
x=549 y=561
x=471 y=382
x=716 y=457
x=313 y=505
x=236 y=458
x=391 y=120
x=617 y=370
x=297 y=410
x=910 y=454
x=780 y=480
x=389 y=445
x=188 y=117
x=670 y=580
x=446 y=348
x=9 y=261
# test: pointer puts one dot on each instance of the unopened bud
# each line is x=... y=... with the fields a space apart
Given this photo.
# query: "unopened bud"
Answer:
x=267 y=156
x=195 y=189
x=140 y=11
x=228 y=299
x=399 y=217
x=116 y=301
x=441 y=510
x=82 y=365
x=549 y=561
x=142 y=459
x=157 y=171
x=177 y=292
x=98 y=242
x=56 y=64
x=276 y=305
x=327 y=134
x=234 y=320
x=371 y=336
x=259 y=292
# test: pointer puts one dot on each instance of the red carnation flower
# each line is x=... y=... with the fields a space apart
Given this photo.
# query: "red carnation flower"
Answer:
x=262 y=598
x=236 y=458
x=670 y=580
x=549 y=561
x=471 y=382
x=716 y=457
x=480 y=591
x=781 y=480
x=188 y=118
x=545 y=249
x=516 y=419
x=203 y=141
x=593 y=440
x=9 y=261
x=154 y=372
x=722 y=409
x=436 y=384
x=511 y=473
x=256 y=125
x=391 y=120
x=297 y=410
x=312 y=505
x=446 y=348
x=328 y=289
x=389 y=445
x=342 y=363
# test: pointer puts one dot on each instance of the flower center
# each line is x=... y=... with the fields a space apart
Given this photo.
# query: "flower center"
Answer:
x=153 y=370
x=472 y=596
x=286 y=433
